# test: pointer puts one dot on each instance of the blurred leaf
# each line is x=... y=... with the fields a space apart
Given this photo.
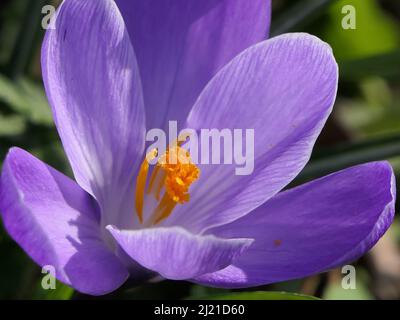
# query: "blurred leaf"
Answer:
x=260 y=295
x=62 y=292
x=374 y=114
x=376 y=92
x=26 y=98
x=395 y=229
x=285 y=286
x=335 y=291
x=299 y=15
x=10 y=14
x=384 y=65
x=333 y=159
x=11 y=125
x=15 y=268
x=26 y=42
x=198 y=291
x=376 y=32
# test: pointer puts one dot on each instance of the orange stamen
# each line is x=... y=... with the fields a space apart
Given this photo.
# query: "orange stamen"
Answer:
x=141 y=183
x=174 y=172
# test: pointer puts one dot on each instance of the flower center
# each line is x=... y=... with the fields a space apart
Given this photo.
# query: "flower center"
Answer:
x=173 y=174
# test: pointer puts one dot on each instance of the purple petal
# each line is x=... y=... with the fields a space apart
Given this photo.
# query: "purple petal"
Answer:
x=312 y=228
x=56 y=223
x=176 y=254
x=181 y=44
x=284 y=89
x=93 y=84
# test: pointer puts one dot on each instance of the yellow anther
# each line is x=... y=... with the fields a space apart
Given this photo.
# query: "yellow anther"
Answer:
x=175 y=172
x=179 y=181
x=181 y=173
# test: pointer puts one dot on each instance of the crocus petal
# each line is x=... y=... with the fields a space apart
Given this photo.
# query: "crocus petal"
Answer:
x=175 y=253
x=312 y=228
x=93 y=84
x=181 y=44
x=57 y=224
x=284 y=89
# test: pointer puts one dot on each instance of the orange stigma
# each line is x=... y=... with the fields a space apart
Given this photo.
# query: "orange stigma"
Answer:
x=173 y=174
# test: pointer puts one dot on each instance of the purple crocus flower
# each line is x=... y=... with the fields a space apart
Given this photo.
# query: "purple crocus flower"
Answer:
x=114 y=68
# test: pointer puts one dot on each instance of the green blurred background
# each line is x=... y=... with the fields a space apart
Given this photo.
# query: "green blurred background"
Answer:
x=365 y=126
